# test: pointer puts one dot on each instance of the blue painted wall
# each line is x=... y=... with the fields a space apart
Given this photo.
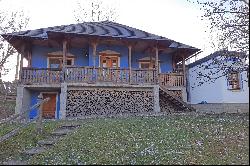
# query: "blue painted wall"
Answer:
x=84 y=56
x=39 y=56
x=33 y=112
x=58 y=106
x=34 y=100
x=166 y=63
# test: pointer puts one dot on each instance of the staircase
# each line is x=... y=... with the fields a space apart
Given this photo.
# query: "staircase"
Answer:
x=170 y=103
x=44 y=145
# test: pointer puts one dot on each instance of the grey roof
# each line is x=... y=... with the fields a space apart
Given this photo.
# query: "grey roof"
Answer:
x=103 y=28
x=214 y=55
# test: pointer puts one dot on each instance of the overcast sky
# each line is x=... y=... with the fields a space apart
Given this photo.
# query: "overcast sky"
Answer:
x=178 y=20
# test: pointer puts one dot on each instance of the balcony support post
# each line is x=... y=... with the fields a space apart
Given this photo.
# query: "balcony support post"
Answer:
x=157 y=64
x=94 y=45
x=129 y=62
x=64 y=58
x=184 y=70
x=21 y=61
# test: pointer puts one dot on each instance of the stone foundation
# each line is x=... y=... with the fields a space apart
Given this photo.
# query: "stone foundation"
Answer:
x=222 y=107
x=89 y=101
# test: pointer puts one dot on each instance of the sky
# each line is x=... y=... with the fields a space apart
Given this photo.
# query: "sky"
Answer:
x=178 y=20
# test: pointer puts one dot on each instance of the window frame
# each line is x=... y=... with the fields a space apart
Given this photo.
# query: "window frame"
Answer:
x=103 y=56
x=151 y=64
x=61 y=61
x=234 y=81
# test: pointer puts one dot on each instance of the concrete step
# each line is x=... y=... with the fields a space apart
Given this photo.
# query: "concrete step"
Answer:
x=69 y=126
x=61 y=132
x=15 y=162
x=47 y=142
x=35 y=150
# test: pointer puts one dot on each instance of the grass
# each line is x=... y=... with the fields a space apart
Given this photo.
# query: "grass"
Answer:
x=176 y=139
x=27 y=138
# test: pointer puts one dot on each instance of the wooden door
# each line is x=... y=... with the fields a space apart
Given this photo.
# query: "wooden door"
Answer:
x=49 y=108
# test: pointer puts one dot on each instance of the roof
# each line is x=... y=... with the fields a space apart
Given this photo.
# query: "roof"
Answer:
x=213 y=55
x=102 y=29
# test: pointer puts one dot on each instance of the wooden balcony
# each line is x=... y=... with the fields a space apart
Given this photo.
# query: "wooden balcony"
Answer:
x=171 y=80
x=41 y=76
x=113 y=75
x=97 y=74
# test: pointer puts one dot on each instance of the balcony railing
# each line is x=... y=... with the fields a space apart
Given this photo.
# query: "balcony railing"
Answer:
x=88 y=75
x=114 y=75
x=41 y=75
x=171 y=79
x=97 y=74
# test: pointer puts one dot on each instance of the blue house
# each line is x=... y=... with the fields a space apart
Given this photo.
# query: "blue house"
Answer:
x=99 y=68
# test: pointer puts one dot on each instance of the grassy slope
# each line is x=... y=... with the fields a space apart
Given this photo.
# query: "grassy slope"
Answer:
x=155 y=140
x=27 y=138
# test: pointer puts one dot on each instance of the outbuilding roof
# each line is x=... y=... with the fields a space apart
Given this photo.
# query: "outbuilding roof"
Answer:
x=214 y=55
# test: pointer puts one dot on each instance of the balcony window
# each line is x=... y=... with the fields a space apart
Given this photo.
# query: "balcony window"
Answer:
x=57 y=62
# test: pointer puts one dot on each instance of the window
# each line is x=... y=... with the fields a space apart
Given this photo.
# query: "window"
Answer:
x=56 y=62
x=144 y=65
x=110 y=61
x=234 y=81
x=69 y=62
x=149 y=65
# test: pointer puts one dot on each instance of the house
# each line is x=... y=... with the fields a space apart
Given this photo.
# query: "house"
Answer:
x=99 y=68
x=229 y=92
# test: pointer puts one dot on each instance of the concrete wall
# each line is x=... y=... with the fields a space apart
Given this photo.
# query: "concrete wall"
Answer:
x=215 y=92
x=22 y=100
x=222 y=108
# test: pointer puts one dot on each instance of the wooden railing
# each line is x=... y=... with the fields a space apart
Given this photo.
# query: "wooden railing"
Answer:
x=171 y=79
x=98 y=74
x=41 y=75
x=114 y=75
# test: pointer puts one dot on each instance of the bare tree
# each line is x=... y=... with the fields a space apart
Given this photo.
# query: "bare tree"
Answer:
x=9 y=22
x=229 y=34
x=94 y=11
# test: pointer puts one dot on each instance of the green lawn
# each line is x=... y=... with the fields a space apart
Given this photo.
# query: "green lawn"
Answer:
x=176 y=139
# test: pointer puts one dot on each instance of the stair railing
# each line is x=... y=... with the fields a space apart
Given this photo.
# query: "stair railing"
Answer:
x=176 y=98
x=20 y=116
